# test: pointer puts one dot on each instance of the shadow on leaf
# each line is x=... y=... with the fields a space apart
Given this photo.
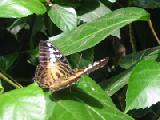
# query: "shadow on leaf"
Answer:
x=76 y=95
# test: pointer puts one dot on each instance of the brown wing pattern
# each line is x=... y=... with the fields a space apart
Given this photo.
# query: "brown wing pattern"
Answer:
x=54 y=72
x=47 y=75
x=64 y=82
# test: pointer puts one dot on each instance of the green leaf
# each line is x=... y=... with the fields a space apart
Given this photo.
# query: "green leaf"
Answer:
x=65 y=18
x=1 y=88
x=128 y=62
x=113 y=1
x=7 y=61
x=20 y=8
x=131 y=59
x=34 y=54
x=87 y=101
x=24 y=104
x=87 y=85
x=52 y=38
x=73 y=3
x=37 y=26
x=80 y=60
x=90 y=34
x=18 y=25
x=88 y=14
x=146 y=3
x=143 y=85
x=115 y=83
x=42 y=0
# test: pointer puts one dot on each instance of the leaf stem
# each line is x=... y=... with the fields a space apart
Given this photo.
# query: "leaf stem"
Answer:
x=12 y=82
x=132 y=39
x=153 y=31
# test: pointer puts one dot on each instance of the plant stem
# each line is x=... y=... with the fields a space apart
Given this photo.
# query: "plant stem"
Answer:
x=14 y=84
x=132 y=40
x=153 y=31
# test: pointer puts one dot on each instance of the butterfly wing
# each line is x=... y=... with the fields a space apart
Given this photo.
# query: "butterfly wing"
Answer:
x=50 y=54
x=46 y=76
x=65 y=82
x=43 y=76
x=53 y=65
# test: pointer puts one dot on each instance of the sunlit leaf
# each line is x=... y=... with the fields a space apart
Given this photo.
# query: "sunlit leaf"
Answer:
x=23 y=104
x=20 y=8
x=143 y=85
x=88 y=14
x=65 y=18
x=85 y=101
x=90 y=34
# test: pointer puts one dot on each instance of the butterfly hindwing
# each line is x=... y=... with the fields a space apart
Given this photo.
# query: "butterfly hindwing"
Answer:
x=64 y=82
x=43 y=77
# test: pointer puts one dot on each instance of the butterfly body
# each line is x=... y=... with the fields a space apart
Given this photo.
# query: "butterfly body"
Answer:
x=54 y=71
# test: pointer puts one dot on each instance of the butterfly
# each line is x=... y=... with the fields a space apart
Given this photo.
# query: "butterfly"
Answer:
x=55 y=73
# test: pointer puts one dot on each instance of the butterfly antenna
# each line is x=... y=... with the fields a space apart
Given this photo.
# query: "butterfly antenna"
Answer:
x=96 y=65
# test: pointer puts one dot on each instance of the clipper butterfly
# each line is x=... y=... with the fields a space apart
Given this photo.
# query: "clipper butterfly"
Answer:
x=54 y=71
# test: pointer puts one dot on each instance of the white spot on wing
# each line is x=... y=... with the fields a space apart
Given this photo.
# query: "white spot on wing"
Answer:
x=53 y=59
x=89 y=66
x=49 y=44
x=56 y=50
x=51 y=50
x=59 y=55
x=52 y=55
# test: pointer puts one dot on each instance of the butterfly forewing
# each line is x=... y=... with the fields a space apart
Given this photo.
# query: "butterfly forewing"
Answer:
x=54 y=71
x=50 y=54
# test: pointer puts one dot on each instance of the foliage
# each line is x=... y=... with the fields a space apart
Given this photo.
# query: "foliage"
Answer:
x=84 y=31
